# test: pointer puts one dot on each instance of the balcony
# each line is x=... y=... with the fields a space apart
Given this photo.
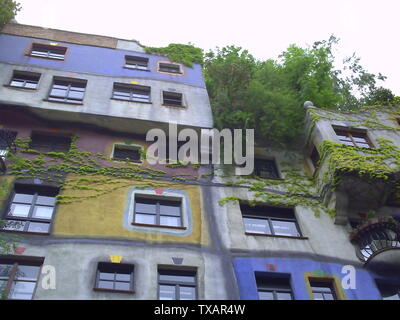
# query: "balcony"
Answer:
x=377 y=243
x=3 y=155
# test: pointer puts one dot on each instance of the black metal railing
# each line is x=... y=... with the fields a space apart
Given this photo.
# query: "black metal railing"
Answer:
x=375 y=236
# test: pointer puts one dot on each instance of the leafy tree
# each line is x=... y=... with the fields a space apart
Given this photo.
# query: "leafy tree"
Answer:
x=269 y=95
x=8 y=10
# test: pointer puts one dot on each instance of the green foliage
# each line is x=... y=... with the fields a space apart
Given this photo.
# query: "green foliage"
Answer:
x=269 y=95
x=8 y=10
x=184 y=53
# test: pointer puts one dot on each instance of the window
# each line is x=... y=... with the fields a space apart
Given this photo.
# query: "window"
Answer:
x=315 y=157
x=267 y=220
x=323 y=289
x=355 y=138
x=18 y=277
x=138 y=63
x=273 y=287
x=266 y=169
x=158 y=211
x=176 y=284
x=389 y=291
x=172 y=99
x=71 y=90
x=48 y=51
x=31 y=209
x=169 y=67
x=123 y=152
x=6 y=141
x=130 y=92
x=114 y=277
x=27 y=80
x=50 y=143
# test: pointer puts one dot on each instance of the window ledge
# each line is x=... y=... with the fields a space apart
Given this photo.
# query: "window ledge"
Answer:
x=112 y=290
x=26 y=232
x=132 y=101
x=275 y=236
x=157 y=226
x=174 y=106
x=124 y=161
x=64 y=102
x=47 y=58
x=15 y=87
x=146 y=70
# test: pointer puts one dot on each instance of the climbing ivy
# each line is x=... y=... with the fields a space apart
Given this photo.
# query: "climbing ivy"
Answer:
x=91 y=175
x=184 y=53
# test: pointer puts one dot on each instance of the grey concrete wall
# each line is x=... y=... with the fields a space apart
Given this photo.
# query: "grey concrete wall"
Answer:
x=196 y=112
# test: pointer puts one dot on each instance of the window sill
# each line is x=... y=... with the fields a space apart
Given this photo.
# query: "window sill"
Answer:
x=171 y=73
x=64 y=102
x=132 y=101
x=157 y=226
x=47 y=58
x=15 y=87
x=173 y=106
x=124 y=161
x=27 y=232
x=275 y=236
x=113 y=291
x=145 y=70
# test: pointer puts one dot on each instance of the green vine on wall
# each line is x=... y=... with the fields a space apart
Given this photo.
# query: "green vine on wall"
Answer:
x=94 y=179
x=183 y=53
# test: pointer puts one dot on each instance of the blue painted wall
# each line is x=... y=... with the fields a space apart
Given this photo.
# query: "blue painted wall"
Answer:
x=245 y=269
x=102 y=61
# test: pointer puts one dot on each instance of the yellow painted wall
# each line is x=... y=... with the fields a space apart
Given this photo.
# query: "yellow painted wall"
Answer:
x=103 y=216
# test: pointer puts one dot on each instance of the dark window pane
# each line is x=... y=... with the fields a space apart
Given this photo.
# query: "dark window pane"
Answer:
x=187 y=293
x=123 y=153
x=265 y=295
x=38 y=227
x=256 y=225
x=27 y=272
x=5 y=270
x=22 y=290
x=265 y=169
x=285 y=228
x=106 y=285
x=23 y=198
x=145 y=218
x=170 y=221
x=167 y=292
x=169 y=67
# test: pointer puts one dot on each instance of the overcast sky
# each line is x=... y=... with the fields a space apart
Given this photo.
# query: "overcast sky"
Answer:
x=266 y=28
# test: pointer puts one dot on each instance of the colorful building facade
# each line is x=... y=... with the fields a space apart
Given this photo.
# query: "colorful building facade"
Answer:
x=96 y=220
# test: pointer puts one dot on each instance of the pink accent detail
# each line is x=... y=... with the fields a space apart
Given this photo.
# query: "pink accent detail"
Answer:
x=159 y=190
x=362 y=215
x=19 y=250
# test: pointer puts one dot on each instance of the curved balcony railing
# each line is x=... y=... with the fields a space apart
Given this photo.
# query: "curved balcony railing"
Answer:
x=375 y=236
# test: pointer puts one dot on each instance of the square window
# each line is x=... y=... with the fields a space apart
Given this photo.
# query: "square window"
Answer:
x=50 y=143
x=20 y=275
x=124 y=152
x=323 y=289
x=266 y=220
x=353 y=137
x=158 y=211
x=135 y=62
x=389 y=291
x=23 y=79
x=169 y=68
x=67 y=90
x=6 y=141
x=273 y=286
x=130 y=92
x=266 y=169
x=47 y=51
x=172 y=99
x=177 y=284
x=27 y=212
x=114 y=277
